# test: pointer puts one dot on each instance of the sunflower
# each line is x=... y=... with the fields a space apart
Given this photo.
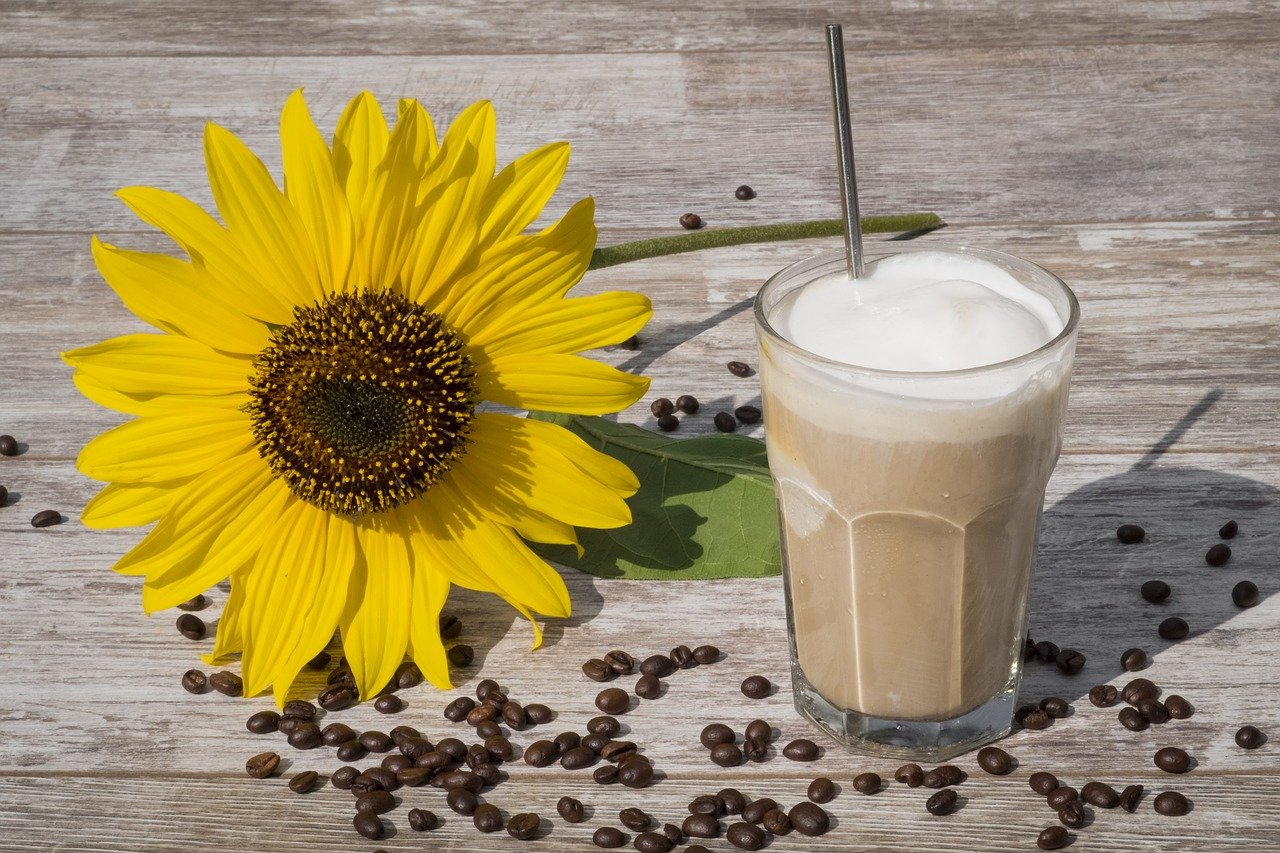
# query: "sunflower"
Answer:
x=316 y=419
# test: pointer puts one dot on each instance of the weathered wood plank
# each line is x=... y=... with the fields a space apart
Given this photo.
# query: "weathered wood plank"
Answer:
x=293 y=27
x=1055 y=134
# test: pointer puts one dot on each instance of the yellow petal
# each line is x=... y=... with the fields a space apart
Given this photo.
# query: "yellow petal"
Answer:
x=600 y=466
x=430 y=589
x=565 y=325
x=388 y=214
x=130 y=504
x=359 y=144
x=147 y=404
x=375 y=626
x=517 y=195
x=166 y=447
x=212 y=250
x=167 y=293
x=498 y=506
x=260 y=218
x=312 y=187
x=558 y=383
x=145 y=365
x=230 y=637
x=427 y=147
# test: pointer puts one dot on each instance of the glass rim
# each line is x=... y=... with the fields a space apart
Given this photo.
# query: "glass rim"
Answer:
x=833 y=256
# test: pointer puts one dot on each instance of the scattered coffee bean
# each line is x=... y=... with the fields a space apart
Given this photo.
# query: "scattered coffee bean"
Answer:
x=351 y=750
x=726 y=755
x=911 y=775
x=619 y=662
x=617 y=751
x=299 y=709
x=649 y=687
x=487 y=818
x=1103 y=695
x=304 y=782
x=1218 y=555
x=673 y=833
x=462 y=801
x=1155 y=591
x=1070 y=661
x=823 y=790
x=197 y=603
x=524 y=826
x=1132 y=719
x=613 y=700
x=651 y=842
x=1100 y=794
x=754 y=811
x=1129 y=798
x=995 y=760
x=668 y=423
x=942 y=803
x=1171 y=804
x=747 y=414
x=635 y=819
x=457 y=710
x=866 y=783
x=578 y=757
x=724 y=422
x=1055 y=707
x=568 y=740
x=1250 y=737
x=1036 y=720
x=397 y=763
x=541 y=753
x=1061 y=795
x=538 y=714
x=1171 y=759
x=369 y=825
x=337 y=697
x=744 y=193
x=343 y=777
x=691 y=222
x=389 y=704
x=1173 y=628
x=1139 y=689
x=1155 y=712
x=1130 y=534
x=755 y=749
x=596 y=741
x=715 y=734
x=1244 y=594
x=688 y=404
x=706 y=654
x=1043 y=783
x=483 y=713
x=1133 y=660
x=759 y=730
x=1229 y=530
x=195 y=681
x=513 y=714
x=609 y=837
x=701 y=825
x=756 y=687
x=461 y=655
x=706 y=804
x=657 y=665
x=635 y=773
x=227 y=683
x=1046 y=651
x=943 y=776
x=1052 y=838
x=661 y=406
x=1028 y=650
x=263 y=722
x=776 y=821
x=571 y=810
x=631 y=343
x=364 y=783
x=682 y=657
x=739 y=368
x=288 y=724
x=1177 y=707
x=262 y=765
x=305 y=735
x=191 y=626
x=422 y=820
x=605 y=775
x=733 y=800
x=1072 y=814
x=500 y=749
x=604 y=725
x=485 y=687
x=46 y=518
x=746 y=836
x=375 y=741
x=802 y=749
x=450 y=627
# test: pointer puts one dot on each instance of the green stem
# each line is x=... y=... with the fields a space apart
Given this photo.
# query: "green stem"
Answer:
x=694 y=240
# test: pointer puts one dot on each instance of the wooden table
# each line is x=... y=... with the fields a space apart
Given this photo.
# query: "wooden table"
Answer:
x=1131 y=148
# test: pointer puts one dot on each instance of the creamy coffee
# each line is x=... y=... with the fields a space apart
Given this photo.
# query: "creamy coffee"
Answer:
x=911 y=459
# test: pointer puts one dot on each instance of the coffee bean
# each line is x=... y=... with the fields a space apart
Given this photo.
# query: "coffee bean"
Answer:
x=911 y=775
x=541 y=753
x=397 y=763
x=364 y=784
x=776 y=821
x=604 y=725
x=482 y=713
x=1052 y=838
x=995 y=760
x=457 y=710
x=706 y=804
x=755 y=811
x=1036 y=720
x=1171 y=804
x=701 y=825
x=305 y=735
x=606 y=775
x=461 y=655
x=191 y=626
x=299 y=709
x=1043 y=783
x=343 y=777
x=369 y=825
x=744 y=193
x=227 y=683
x=609 y=837
x=1139 y=689
x=1177 y=707
x=421 y=820
x=688 y=404
x=337 y=697
x=1129 y=798
x=747 y=414
x=320 y=661
x=263 y=722
x=513 y=715
x=619 y=662
x=649 y=687
x=1046 y=651
x=1229 y=530
x=453 y=747
x=538 y=714
x=1250 y=737
x=485 y=687
x=706 y=654
x=942 y=803
x=1133 y=660
x=724 y=422
x=754 y=749
x=578 y=757
x=613 y=700
x=385 y=778
x=661 y=407
x=739 y=368
x=691 y=221
x=657 y=665
x=1155 y=712
x=733 y=800
x=635 y=773
x=524 y=826
x=571 y=810
x=487 y=818
x=375 y=741
x=716 y=734
x=1244 y=594
x=304 y=782
x=943 y=776
x=568 y=740
x=500 y=749
x=651 y=842
x=402 y=734
x=759 y=730
x=1100 y=794
x=1028 y=650
x=1133 y=720
x=1103 y=695
x=745 y=836
x=341 y=675
x=596 y=742
x=668 y=423
x=618 y=751
x=1061 y=795
x=351 y=750
x=200 y=602
x=262 y=765
x=682 y=657
x=1130 y=534
x=801 y=749
x=866 y=783
x=1070 y=661
x=1173 y=628
x=462 y=801
x=1072 y=814
x=1218 y=555
x=1155 y=591
x=195 y=681
x=45 y=518
x=288 y=724
x=726 y=755
x=756 y=687
x=635 y=819
x=1171 y=759
x=1055 y=707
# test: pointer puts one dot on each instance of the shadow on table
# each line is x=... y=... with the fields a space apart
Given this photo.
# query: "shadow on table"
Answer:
x=1085 y=593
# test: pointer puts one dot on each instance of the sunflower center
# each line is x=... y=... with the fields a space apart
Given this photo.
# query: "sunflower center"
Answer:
x=363 y=402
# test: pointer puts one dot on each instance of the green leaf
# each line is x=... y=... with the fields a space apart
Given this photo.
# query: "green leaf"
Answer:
x=705 y=508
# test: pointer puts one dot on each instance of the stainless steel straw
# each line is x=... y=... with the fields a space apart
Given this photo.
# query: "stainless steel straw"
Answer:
x=844 y=152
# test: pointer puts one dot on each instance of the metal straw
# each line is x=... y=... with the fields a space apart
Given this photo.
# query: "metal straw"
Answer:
x=844 y=152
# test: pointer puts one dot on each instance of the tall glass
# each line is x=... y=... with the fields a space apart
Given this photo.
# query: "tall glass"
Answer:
x=910 y=504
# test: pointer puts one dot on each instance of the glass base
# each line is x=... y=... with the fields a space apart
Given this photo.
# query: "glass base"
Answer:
x=911 y=739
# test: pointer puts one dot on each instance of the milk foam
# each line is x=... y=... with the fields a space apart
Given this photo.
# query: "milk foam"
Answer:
x=919 y=311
